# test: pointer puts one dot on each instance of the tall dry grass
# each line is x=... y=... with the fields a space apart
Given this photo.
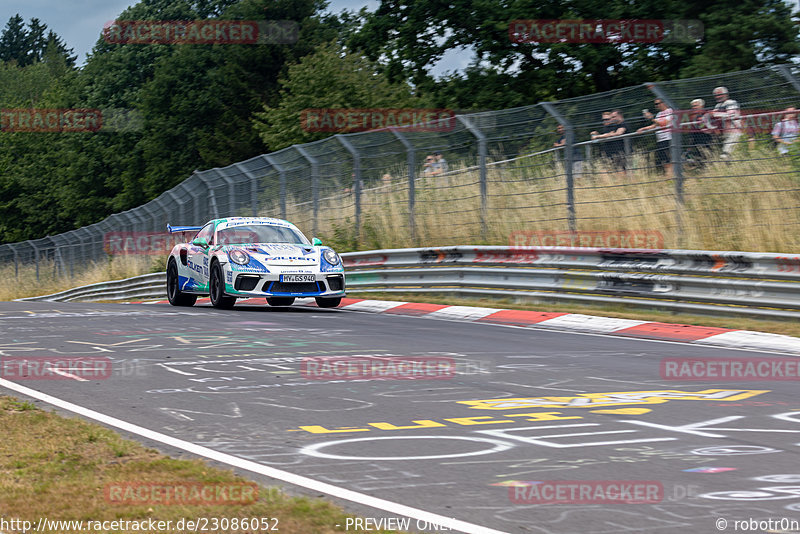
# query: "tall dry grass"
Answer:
x=747 y=205
x=23 y=282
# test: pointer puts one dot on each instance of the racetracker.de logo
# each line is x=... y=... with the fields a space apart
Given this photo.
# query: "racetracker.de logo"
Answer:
x=79 y=368
x=386 y=368
x=149 y=243
x=208 y=31
x=737 y=369
x=51 y=120
x=641 y=239
x=587 y=492
x=361 y=120
x=181 y=493
x=605 y=31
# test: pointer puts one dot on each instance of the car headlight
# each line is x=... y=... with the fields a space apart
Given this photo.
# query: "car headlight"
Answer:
x=331 y=257
x=239 y=256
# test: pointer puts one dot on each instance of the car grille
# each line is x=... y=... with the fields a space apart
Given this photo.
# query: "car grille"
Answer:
x=295 y=287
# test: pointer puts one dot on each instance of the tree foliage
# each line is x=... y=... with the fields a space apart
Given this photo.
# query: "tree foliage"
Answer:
x=410 y=36
x=200 y=106
x=26 y=46
x=329 y=78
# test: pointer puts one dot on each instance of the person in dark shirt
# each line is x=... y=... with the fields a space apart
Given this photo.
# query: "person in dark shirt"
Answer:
x=614 y=150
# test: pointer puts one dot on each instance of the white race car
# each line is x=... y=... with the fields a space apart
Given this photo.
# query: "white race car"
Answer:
x=245 y=257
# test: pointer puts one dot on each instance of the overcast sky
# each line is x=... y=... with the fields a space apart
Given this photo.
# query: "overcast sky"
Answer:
x=79 y=22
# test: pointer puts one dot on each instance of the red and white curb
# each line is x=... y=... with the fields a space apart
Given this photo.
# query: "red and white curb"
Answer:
x=570 y=322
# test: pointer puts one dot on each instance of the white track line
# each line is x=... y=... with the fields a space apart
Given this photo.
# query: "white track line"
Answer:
x=291 y=478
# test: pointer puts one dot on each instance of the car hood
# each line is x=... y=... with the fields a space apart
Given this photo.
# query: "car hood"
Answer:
x=280 y=253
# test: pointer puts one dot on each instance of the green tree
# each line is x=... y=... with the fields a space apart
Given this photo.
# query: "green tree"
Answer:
x=409 y=36
x=26 y=46
x=328 y=78
x=14 y=41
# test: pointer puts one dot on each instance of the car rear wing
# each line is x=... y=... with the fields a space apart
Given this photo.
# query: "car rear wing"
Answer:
x=176 y=229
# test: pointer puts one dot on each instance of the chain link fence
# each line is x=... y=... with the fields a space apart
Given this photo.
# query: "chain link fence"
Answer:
x=510 y=176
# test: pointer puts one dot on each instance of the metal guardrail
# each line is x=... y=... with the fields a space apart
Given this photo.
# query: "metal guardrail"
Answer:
x=147 y=286
x=725 y=283
x=730 y=283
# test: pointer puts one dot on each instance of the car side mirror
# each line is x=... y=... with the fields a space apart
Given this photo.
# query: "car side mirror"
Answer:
x=200 y=242
x=316 y=242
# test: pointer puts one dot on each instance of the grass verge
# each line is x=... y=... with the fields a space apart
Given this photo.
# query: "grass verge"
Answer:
x=60 y=468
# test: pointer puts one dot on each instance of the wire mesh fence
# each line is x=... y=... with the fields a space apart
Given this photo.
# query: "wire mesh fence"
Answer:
x=701 y=171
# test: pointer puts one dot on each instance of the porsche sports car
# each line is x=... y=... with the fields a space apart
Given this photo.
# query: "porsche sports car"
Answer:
x=245 y=257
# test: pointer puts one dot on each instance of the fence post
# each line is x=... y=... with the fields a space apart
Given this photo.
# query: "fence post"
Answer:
x=314 y=183
x=675 y=150
x=356 y=181
x=151 y=216
x=482 y=154
x=84 y=230
x=281 y=180
x=569 y=156
x=16 y=260
x=179 y=211
x=253 y=188
x=784 y=70
x=231 y=211
x=36 y=257
x=411 y=159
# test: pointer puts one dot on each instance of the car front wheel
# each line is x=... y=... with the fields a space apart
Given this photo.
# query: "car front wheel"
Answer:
x=216 y=289
x=174 y=294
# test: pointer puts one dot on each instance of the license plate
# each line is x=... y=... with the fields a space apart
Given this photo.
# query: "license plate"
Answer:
x=298 y=278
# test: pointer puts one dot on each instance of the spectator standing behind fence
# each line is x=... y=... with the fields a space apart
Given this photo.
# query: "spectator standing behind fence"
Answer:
x=786 y=131
x=727 y=111
x=606 y=118
x=577 y=156
x=615 y=149
x=700 y=130
x=439 y=159
x=431 y=166
x=663 y=123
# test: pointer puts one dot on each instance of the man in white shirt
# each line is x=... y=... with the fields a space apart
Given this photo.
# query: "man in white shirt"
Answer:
x=663 y=122
x=786 y=131
x=727 y=111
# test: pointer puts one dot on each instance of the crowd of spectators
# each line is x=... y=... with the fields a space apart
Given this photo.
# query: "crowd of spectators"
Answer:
x=708 y=133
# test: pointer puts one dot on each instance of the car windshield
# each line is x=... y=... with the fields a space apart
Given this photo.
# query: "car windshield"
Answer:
x=260 y=233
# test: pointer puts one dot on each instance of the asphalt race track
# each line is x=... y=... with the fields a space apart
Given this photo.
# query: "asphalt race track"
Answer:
x=512 y=410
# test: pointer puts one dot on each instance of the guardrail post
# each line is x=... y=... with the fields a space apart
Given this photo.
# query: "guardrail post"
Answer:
x=569 y=156
x=482 y=155
x=675 y=150
x=282 y=181
x=314 y=183
x=356 y=181
x=411 y=159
